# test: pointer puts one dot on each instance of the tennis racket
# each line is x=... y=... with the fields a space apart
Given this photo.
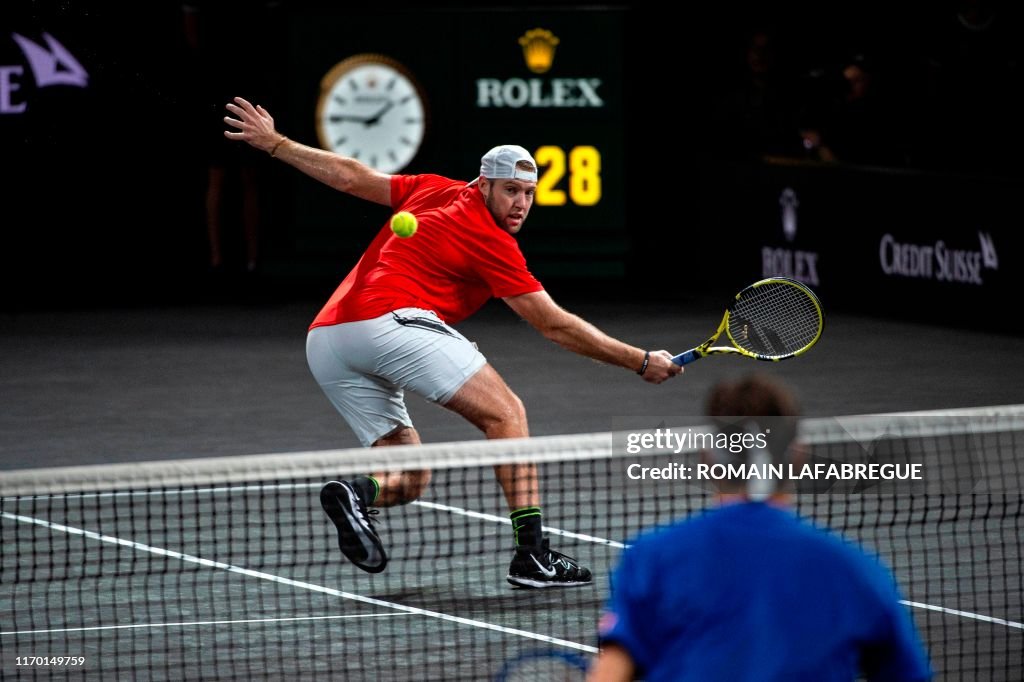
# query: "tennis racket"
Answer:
x=774 y=319
x=542 y=666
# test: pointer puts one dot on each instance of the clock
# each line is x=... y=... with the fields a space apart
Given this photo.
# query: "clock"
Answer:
x=372 y=109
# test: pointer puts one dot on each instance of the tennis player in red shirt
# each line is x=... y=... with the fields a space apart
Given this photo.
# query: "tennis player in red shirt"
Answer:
x=387 y=329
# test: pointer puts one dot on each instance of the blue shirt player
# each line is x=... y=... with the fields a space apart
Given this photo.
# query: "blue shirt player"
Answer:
x=748 y=591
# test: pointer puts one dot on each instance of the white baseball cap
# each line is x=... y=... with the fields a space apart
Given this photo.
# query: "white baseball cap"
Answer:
x=500 y=163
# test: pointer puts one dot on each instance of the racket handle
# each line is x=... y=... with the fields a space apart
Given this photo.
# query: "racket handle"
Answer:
x=686 y=358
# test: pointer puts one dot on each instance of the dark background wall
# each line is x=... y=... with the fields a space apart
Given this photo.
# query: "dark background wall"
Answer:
x=708 y=122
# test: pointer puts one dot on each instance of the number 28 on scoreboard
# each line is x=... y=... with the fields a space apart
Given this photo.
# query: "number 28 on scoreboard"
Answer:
x=582 y=165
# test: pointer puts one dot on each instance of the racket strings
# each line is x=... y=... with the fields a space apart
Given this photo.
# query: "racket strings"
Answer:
x=776 y=319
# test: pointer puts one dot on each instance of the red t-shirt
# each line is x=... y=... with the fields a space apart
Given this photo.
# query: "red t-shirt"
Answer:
x=456 y=261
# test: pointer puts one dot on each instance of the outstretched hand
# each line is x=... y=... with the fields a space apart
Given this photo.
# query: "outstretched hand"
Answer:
x=254 y=123
x=660 y=367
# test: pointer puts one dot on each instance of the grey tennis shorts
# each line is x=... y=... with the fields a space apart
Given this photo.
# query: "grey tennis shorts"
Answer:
x=365 y=367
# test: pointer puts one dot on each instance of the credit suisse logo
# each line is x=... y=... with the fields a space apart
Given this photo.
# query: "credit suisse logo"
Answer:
x=938 y=261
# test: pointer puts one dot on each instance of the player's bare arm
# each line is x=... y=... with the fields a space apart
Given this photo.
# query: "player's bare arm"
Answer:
x=614 y=664
x=576 y=334
x=255 y=126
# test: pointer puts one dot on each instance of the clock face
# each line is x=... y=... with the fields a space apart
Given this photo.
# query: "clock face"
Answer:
x=371 y=109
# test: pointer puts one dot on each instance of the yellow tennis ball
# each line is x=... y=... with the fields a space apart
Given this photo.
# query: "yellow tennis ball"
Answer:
x=404 y=224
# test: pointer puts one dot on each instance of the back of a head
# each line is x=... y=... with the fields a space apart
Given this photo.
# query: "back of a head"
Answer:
x=763 y=410
x=754 y=395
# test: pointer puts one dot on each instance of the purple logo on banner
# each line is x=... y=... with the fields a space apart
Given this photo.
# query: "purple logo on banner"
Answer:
x=50 y=65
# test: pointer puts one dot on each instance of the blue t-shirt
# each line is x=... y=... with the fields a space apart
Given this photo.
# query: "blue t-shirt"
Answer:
x=748 y=591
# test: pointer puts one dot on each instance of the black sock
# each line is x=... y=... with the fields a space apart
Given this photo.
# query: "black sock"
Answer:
x=367 y=488
x=526 y=526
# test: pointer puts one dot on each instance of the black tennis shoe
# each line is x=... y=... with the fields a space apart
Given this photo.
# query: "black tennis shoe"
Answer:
x=544 y=567
x=356 y=536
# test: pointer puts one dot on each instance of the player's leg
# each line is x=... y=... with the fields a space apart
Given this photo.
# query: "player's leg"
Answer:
x=449 y=370
x=441 y=365
x=490 y=405
x=339 y=357
x=389 y=488
x=487 y=402
x=399 y=487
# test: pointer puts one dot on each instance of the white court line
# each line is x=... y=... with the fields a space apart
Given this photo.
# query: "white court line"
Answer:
x=296 y=583
x=965 y=614
x=139 y=626
x=508 y=522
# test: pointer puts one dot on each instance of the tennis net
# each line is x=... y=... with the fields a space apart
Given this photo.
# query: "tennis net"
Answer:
x=227 y=568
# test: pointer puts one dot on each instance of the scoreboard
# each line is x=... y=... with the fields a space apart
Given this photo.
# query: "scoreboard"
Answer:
x=429 y=91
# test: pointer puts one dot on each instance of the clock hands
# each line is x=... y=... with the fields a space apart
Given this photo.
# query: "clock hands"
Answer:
x=341 y=118
x=375 y=119
x=367 y=121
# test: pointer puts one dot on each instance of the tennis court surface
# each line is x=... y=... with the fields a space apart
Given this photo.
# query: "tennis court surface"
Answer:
x=225 y=568
x=221 y=568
